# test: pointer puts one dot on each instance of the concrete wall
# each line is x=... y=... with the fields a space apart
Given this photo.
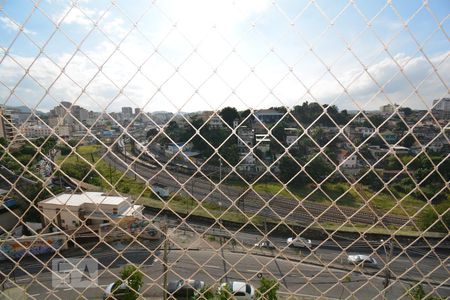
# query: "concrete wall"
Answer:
x=8 y=220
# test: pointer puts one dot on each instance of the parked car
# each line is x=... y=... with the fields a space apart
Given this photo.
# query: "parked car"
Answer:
x=119 y=293
x=363 y=260
x=240 y=290
x=299 y=242
x=265 y=244
x=160 y=190
x=184 y=289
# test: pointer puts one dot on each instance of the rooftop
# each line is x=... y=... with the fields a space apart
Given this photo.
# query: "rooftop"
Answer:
x=83 y=198
x=267 y=112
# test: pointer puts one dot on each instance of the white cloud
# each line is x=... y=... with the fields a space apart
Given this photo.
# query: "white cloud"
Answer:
x=250 y=90
x=398 y=85
x=176 y=77
x=77 y=16
x=9 y=24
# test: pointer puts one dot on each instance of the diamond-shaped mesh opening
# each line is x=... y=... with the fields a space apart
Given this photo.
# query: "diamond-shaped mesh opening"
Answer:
x=224 y=149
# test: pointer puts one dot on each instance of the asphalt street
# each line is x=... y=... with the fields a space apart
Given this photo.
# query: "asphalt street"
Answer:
x=320 y=271
x=207 y=265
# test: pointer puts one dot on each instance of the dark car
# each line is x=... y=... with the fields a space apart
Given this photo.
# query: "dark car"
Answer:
x=184 y=289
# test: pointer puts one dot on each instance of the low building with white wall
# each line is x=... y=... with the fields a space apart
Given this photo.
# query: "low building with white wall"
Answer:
x=67 y=211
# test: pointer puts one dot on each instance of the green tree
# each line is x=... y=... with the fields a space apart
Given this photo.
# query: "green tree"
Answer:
x=77 y=170
x=376 y=121
x=65 y=150
x=406 y=111
x=243 y=114
x=392 y=163
x=429 y=216
x=231 y=154
x=229 y=114
x=418 y=293
x=288 y=169
x=151 y=133
x=277 y=142
x=206 y=293
x=173 y=130
x=210 y=293
x=3 y=142
x=319 y=168
x=408 y=141
x=72 y=143
x=268 y=289
x=133 y=278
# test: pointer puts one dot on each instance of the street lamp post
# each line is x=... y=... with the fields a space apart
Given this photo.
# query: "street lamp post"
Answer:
x=387 y=271
x=220 y=180
x=192 y=191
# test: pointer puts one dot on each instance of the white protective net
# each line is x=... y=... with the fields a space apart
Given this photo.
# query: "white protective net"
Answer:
x=224 y=149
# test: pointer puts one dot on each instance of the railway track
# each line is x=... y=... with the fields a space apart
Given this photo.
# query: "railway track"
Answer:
x=256 y=203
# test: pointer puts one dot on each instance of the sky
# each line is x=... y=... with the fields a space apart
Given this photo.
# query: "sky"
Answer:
x=178 y=55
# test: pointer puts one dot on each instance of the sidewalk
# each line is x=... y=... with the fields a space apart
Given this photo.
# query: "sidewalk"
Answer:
x=16 y=293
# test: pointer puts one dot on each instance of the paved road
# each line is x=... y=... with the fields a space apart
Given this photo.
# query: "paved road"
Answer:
x=412 y=263
x=207 y=265
x=300 y=271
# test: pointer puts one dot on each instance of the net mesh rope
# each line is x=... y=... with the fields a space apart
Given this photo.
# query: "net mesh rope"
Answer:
x=221 y=219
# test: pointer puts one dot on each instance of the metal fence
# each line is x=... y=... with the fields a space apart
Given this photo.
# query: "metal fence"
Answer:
x=224 y=149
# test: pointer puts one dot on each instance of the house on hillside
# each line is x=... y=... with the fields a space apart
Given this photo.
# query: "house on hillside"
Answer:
x=268 y=115
x=347 y=160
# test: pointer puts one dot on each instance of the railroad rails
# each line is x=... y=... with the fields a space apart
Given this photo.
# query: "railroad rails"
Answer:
x=263 y=204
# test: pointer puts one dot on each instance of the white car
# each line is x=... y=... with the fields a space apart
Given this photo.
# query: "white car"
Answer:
x=119 y=293
x=299 y=242
x=265 y=244
x=363 y=260
x=240 y=290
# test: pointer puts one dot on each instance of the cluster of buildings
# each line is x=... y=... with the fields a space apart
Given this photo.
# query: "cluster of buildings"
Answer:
x=254 y=133
x=113 y=217
x=70 y=121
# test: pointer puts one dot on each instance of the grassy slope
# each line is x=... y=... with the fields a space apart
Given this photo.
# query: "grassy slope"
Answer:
x=128 y=185
x=344 y=195
x=347 y=196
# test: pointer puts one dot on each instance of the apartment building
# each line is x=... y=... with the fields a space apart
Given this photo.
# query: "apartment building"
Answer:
x=6 y=125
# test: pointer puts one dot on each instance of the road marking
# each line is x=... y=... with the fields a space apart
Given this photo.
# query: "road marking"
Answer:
x=256 y=271
x=213 y=267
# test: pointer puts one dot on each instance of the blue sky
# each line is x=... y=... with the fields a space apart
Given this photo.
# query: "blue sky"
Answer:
x=203 y=54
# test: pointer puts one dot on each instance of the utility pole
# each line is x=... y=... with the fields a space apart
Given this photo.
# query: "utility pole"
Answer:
x=387 y=271
x=166 y=242
x=110 y=173
x=220 y=179
x=366 y=199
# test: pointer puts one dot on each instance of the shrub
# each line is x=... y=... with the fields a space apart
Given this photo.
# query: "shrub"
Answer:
x=268 y=289
x=133 y=278
x=428 y=216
